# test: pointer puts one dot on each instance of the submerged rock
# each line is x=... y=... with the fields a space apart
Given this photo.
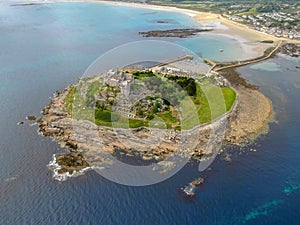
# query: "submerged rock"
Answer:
x=161 y=21
x=65 y=166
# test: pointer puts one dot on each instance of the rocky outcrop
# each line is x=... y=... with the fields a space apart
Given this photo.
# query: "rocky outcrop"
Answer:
x=180 y=33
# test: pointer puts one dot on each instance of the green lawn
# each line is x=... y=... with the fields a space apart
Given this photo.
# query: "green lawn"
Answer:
x=229 y=96
x=211 y=102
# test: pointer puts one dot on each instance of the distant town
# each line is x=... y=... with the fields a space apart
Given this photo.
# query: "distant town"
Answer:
x=279 y=24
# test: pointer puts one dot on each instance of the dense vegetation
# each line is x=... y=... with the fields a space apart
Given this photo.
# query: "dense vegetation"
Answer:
x=188 y=84
x=142 y=74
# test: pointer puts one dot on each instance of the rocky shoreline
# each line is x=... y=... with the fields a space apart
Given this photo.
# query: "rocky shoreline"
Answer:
x=180 y=33
x=253 y=113
x=250 y=119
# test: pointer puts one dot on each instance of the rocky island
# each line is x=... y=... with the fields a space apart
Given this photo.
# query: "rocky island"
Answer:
x=94 y=120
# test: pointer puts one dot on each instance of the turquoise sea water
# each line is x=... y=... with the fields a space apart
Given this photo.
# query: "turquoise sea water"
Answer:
x=45 y=47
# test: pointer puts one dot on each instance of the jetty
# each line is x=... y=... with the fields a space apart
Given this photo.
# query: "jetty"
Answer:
x=178 y=59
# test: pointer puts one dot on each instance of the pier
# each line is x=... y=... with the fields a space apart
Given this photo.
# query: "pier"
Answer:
x=181 y=58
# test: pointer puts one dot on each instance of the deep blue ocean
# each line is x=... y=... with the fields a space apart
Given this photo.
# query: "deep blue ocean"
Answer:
x=45 y=47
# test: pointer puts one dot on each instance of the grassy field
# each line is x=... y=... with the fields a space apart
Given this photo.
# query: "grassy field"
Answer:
x=209 y=102
x=114 y=119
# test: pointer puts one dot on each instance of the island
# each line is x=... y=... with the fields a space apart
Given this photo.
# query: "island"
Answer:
x=96 y=107
x=92 y=118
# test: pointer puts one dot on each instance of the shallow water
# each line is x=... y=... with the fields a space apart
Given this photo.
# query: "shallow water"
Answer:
x=46 y=47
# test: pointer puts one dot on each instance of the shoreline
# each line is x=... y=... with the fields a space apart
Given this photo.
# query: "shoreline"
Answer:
x=248 y=39
x=252 y=106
